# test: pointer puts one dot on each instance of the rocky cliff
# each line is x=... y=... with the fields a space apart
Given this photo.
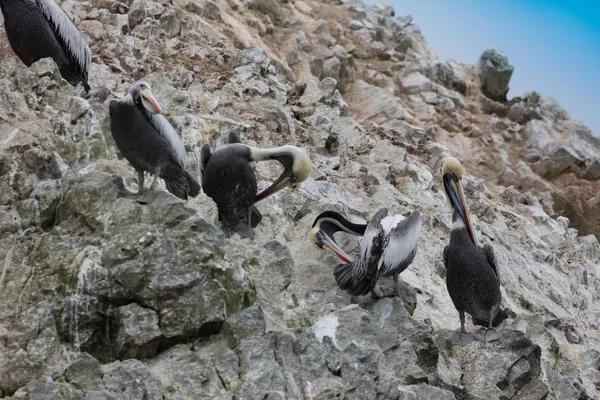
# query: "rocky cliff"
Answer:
x=104 y=298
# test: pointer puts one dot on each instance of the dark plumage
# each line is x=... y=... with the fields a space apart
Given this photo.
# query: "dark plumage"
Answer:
x=228 y=178
x=388 y=247
x=149 y=142
x=38 y=29
x=471 y=272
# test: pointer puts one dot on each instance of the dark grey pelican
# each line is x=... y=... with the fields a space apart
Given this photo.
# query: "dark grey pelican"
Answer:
x=229 y=180
x=38 y=29
x=149 y=142
x=388 y=247
x=471 y=271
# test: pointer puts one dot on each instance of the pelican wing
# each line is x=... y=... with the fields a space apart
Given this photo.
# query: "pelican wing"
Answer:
x=205 y=156
x=68 y=34
x=446 y=254
x=373 y=238
x=489 y=254
x=166 y=130
x=400 y=244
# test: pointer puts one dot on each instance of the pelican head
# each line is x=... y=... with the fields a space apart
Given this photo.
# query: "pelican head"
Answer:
x=323 y=228
x=141 y=94
x=295 y=161
x=452 y=173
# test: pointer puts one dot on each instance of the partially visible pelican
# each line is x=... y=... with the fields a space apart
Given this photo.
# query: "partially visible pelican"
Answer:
x=471 y=271
x=150 y=143
x=388 y=247
x=229 y=180
x=38 y=29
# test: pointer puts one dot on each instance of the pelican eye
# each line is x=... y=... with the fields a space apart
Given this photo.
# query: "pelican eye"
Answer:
x=319 y=239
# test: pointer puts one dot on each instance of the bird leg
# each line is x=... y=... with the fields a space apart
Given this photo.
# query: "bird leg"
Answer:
x=140 y=182
x=155 y=180
x=462 y=337
x=491 y=337
x=148 y=196
x=375 y=295
x=397 y=284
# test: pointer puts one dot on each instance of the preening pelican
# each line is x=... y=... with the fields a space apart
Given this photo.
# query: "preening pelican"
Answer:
x=38 y=29
x=149 y=142
x=229 y=180
x=471 y=271
x=388 y=247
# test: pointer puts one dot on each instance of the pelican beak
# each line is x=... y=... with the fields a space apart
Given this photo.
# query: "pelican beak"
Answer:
x=454 y=191
x=150 y=103
x=324 y=242
x=297 y=167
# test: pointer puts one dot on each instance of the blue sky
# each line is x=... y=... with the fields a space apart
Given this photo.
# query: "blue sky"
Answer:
x=554 y=45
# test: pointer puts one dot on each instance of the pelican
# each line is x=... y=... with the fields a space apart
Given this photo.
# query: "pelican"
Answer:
x=388 y=247
x=150 y=143
x=471 y=271
x=229 y=180
x=38 y=29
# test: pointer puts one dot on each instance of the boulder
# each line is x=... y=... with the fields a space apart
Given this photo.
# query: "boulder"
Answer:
x=494 y=74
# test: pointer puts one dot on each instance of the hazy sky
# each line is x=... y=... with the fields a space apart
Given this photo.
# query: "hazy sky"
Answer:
x=554 y=45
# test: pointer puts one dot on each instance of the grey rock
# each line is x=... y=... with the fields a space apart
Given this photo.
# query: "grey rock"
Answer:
x=101 y=395
x=185 y=374
x=138 y=334
x=590 y=247
x=555 y=160
x=246 y=324
x=562 y=387
x=171 y=23
x=130 y=379
x=85 y=374
x=29 y=214
x=137 y=13
x=592 y=171
x=227 y=366
x=449 y=74
x=379 y=106
x=48 y=195
x=423 y=391
x=199 y=290
x=46 y=389
x=415 y=83
x=354 y=24
x=77 y=108
x=260 y=372
x=270 y=8
x=494 y=74
x=545 y=105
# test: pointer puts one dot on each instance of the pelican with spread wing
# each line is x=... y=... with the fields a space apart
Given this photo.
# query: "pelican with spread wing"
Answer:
x=388 y=247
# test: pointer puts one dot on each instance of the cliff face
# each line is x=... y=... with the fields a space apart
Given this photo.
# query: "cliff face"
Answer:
x=103 y=298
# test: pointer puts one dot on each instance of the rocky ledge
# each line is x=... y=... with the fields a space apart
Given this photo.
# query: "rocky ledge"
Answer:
x=104 y=298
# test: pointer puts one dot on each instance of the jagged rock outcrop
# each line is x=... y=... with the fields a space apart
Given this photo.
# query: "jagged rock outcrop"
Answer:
x=494 y=74
x=104 y=298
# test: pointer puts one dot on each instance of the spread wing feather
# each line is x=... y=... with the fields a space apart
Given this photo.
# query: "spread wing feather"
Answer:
x=68 y=34
x=401 y=245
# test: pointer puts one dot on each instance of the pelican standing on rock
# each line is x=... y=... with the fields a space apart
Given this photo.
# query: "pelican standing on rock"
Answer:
x=38 y=29
x=471 y=271
x=229 y=180
x=150 y=143
x=388 y=247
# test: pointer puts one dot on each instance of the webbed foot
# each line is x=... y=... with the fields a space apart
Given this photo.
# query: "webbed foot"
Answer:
x=461 y=338
x=147 y=197
x=491 y=335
